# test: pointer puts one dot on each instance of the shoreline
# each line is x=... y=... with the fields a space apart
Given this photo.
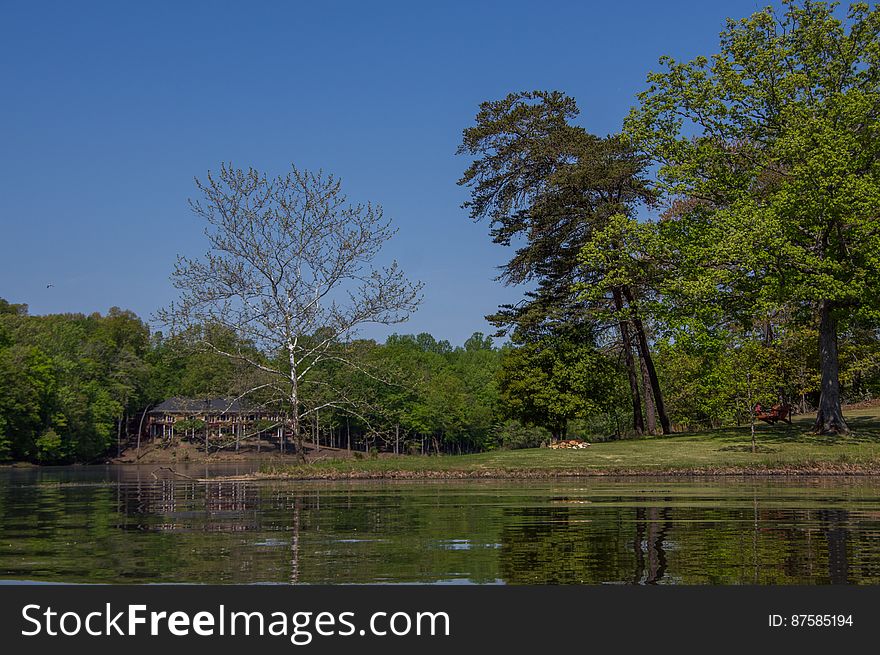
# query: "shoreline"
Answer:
x=327 y=472
x=781 y=450
x=811 y=470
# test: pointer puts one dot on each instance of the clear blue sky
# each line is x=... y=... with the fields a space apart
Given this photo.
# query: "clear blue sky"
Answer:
x=109 y=110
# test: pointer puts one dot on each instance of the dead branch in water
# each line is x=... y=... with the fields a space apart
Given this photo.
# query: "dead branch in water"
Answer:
x=173 y=472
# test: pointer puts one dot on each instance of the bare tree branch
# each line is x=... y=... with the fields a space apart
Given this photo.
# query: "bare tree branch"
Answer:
x=290 y=273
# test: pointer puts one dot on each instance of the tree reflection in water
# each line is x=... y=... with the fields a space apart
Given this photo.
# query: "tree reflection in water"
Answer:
x=651 y=526
x=598 y=531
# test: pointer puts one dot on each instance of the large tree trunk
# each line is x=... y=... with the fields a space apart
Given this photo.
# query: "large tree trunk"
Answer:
x=645 y=352
x=638 y=422
x=829 y=419
x=650 y=413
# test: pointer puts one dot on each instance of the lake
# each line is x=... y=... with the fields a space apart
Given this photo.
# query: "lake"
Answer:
x=119 y=524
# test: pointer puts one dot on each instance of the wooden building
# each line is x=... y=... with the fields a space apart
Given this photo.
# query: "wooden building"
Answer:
x=222 y=417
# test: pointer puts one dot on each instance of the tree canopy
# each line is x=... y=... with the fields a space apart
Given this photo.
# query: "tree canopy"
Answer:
x=767 y=156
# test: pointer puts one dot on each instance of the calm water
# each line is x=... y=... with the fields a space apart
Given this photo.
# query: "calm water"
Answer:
x=120 y=524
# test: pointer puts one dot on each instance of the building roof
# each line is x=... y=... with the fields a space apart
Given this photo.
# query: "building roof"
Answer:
x=202 y=405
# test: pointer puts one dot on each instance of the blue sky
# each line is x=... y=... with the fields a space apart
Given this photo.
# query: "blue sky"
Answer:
x=110 y=109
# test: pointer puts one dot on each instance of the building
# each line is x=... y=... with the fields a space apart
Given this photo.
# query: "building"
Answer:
x=222 y=417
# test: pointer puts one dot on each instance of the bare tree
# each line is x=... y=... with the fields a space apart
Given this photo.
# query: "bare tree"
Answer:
x=291 y=271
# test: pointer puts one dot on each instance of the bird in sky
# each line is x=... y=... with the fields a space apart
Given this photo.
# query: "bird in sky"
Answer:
x=49 y=285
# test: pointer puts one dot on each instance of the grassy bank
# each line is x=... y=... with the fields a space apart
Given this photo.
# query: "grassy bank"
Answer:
x=782 y=449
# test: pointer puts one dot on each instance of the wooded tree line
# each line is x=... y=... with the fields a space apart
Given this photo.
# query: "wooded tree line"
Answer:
x=72 y=386
x=67 y=381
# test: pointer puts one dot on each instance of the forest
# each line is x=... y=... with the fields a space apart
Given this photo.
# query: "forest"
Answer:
x=73 y=385
x=719 y=254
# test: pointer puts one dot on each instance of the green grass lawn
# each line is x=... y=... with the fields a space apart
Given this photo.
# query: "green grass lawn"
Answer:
x=781 y=448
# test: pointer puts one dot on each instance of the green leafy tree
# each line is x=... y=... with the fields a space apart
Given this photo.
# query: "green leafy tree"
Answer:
x=547 y=185
x=768 y=151
x=194 y=427
x=28 y=388
x=50 y=447
x=548 y=383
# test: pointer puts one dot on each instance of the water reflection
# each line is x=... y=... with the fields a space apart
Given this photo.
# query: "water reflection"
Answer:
x=649 y=544
x=121 y=524
x=837 y=535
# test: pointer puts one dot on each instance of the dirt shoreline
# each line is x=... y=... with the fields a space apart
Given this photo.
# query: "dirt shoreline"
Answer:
x=538 y=474
x=310 y=472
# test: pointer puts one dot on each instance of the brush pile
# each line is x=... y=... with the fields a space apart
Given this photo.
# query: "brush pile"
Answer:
x=569 y=444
